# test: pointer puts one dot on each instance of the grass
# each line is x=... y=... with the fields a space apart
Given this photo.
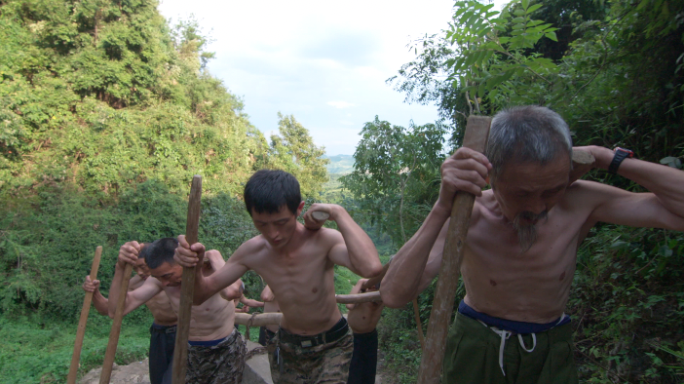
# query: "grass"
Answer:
x=35 y=351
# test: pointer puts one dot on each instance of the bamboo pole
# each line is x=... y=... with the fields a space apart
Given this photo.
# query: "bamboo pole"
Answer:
x=180 y=352
x=116 y=327
x=259 y=320
x=476 y=134
x=357 y=298
x=80 y=332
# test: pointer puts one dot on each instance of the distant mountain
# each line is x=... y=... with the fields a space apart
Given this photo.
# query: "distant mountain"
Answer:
x=340 y=164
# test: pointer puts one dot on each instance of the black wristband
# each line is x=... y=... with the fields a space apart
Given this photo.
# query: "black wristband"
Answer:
x=620 y=155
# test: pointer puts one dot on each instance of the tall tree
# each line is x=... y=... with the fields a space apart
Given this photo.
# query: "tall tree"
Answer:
x=294 y=151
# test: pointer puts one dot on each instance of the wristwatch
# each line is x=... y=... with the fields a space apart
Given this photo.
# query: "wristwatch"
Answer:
x=620 y=154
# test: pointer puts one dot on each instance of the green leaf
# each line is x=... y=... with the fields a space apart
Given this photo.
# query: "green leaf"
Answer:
x=552 y=36
x=534 y=8
x=525 y=4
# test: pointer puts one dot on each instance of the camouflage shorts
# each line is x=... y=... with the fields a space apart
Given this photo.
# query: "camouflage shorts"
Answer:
x=217 y=364
x=326 y=363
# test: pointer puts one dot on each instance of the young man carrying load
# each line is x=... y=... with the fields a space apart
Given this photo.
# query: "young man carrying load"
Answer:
x=314 y=343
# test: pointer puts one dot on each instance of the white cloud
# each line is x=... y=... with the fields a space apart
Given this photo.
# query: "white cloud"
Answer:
x=340 y=104
x=289 y=56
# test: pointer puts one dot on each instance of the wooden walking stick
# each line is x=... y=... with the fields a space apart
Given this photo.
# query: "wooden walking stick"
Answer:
x=116 y=327
x=80 y=332
x=476 y=134
x=180 y=352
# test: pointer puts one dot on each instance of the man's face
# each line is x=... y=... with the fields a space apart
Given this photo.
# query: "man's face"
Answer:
x=141 y=269
x=170 y=275
x=277 y=228
x=526 y=192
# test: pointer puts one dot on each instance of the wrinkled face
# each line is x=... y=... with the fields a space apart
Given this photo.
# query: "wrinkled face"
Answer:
x=169 y=275
x=277 y=228
x=526 y=192
x=141 y=269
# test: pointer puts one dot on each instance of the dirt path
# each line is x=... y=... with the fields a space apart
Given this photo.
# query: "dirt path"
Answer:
x=134 y=373
x=137 y=373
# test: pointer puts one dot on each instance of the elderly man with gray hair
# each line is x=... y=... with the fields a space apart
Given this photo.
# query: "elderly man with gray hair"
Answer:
x=521 y=248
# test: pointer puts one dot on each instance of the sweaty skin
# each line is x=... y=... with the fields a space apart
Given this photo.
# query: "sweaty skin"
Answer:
x=532 y=286
x=296 y=262
x=212 y=320
x=363 y=317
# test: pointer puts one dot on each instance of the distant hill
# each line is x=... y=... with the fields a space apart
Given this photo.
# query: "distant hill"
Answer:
x=340 y=164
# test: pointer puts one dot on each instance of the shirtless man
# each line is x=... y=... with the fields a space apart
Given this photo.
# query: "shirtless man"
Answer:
x=363 y=318
x=216 y=351
x=163 y=329
x=296 y=261
x=267 y=332
x=521 y=248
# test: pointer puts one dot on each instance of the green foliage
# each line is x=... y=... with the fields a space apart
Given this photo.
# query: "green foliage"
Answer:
x=295 y=152
x=396 y=174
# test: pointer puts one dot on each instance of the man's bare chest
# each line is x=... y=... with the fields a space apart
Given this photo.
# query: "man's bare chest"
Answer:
x=494 y=246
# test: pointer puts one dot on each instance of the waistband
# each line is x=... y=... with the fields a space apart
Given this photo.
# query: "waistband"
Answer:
x=213 y=343
x=333 y=334
x=368 y=335
x=163 y=328
x=518 y=327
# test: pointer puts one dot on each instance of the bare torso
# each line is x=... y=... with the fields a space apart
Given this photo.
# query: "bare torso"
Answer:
x=533 y=286
x=160 y=305
x=212 y=320
x=301 y=279
x=364 y=317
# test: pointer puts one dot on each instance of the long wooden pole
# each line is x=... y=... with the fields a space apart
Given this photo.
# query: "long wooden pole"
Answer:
x=477 y=131
x=80 y=332
x=180 y=352
x=116 y=327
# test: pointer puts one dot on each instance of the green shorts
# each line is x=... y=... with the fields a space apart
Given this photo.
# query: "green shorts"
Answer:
x=473 y=356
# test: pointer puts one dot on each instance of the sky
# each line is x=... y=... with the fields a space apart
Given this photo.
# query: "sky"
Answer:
x=324 y=62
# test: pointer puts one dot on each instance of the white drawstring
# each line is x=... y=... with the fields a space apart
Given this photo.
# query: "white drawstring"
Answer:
x=504 y=336
x=522 y=342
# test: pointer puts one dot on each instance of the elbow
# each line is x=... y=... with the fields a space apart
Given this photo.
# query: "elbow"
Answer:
x=391 y=300
x=373 y=270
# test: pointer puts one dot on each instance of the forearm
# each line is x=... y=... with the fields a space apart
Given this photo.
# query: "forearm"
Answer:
x=100 y=303
x=403 y=279
x=665 y=182
x=251 y=303
x=362 y=252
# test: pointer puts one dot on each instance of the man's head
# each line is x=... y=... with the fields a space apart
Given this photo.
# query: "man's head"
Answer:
x=530 y=150
x=159 y=258
x=140 y=266
x=274 y=201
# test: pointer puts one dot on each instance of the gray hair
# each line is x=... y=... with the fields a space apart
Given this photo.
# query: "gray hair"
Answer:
x=526 y=134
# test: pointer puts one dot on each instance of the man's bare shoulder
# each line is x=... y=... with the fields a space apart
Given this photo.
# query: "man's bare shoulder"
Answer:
x=255 y=244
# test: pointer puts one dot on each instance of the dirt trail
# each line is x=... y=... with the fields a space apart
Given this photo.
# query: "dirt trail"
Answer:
x=137 y=373
x=134 y=373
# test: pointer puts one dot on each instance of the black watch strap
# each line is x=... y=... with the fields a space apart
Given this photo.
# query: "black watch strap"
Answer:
x=620 y=155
